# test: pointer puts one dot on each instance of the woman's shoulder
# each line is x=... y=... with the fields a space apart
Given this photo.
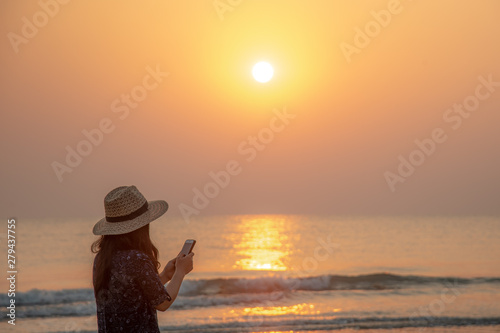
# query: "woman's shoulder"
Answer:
x=132 y=255
x=132 y=261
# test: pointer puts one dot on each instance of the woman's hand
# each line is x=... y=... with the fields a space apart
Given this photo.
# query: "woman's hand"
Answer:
x=168 y=271
x=184 y=264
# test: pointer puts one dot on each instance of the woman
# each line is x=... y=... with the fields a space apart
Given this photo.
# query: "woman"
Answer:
x=127 y=286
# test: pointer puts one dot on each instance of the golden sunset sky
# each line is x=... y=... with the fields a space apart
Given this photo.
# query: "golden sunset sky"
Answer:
x=166 y=90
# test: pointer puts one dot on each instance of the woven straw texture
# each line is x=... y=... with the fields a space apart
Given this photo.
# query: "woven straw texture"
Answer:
x=123 y=201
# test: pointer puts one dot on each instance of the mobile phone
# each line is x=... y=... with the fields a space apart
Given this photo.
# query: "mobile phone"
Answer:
x=188 y=247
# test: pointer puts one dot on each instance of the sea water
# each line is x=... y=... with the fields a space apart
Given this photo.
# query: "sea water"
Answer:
x=279 y=273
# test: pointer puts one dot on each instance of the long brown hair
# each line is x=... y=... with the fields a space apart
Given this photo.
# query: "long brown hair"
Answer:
x=107 y=245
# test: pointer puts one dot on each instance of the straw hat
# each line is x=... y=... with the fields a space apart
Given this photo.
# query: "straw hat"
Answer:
x=127 y=210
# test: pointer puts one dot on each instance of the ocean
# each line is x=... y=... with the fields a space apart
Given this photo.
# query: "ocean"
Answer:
x=278 y=273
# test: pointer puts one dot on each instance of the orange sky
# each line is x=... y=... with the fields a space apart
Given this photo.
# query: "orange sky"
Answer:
x=68 y=66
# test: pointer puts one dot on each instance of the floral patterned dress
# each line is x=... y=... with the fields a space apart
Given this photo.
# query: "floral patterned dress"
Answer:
x=135 y=289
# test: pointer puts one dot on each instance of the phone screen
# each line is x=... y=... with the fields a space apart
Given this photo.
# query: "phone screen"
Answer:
x=188 y=246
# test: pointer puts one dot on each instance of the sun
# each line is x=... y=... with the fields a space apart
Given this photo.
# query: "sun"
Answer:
x=263 y=71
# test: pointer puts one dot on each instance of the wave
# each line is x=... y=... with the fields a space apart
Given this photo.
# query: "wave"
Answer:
x=232 y=291
x=334 y=324
x=491 y=324
x=382 y=281
x=87 y=307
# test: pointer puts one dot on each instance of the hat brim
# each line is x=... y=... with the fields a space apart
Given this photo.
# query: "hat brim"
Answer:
x=155 y=209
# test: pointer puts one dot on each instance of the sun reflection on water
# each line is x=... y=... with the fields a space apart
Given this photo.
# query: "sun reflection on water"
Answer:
x=296 y=309
x=262 y=244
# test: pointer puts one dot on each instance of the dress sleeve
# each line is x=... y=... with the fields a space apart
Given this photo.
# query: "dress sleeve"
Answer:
x=149 y=281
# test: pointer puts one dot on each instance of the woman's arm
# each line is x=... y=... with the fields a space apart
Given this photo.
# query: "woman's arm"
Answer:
x=183 y=265
x=163 y=277
x=173 y=290
x=168 y=272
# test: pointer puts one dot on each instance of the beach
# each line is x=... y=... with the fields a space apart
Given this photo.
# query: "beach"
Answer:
x=282 y=273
